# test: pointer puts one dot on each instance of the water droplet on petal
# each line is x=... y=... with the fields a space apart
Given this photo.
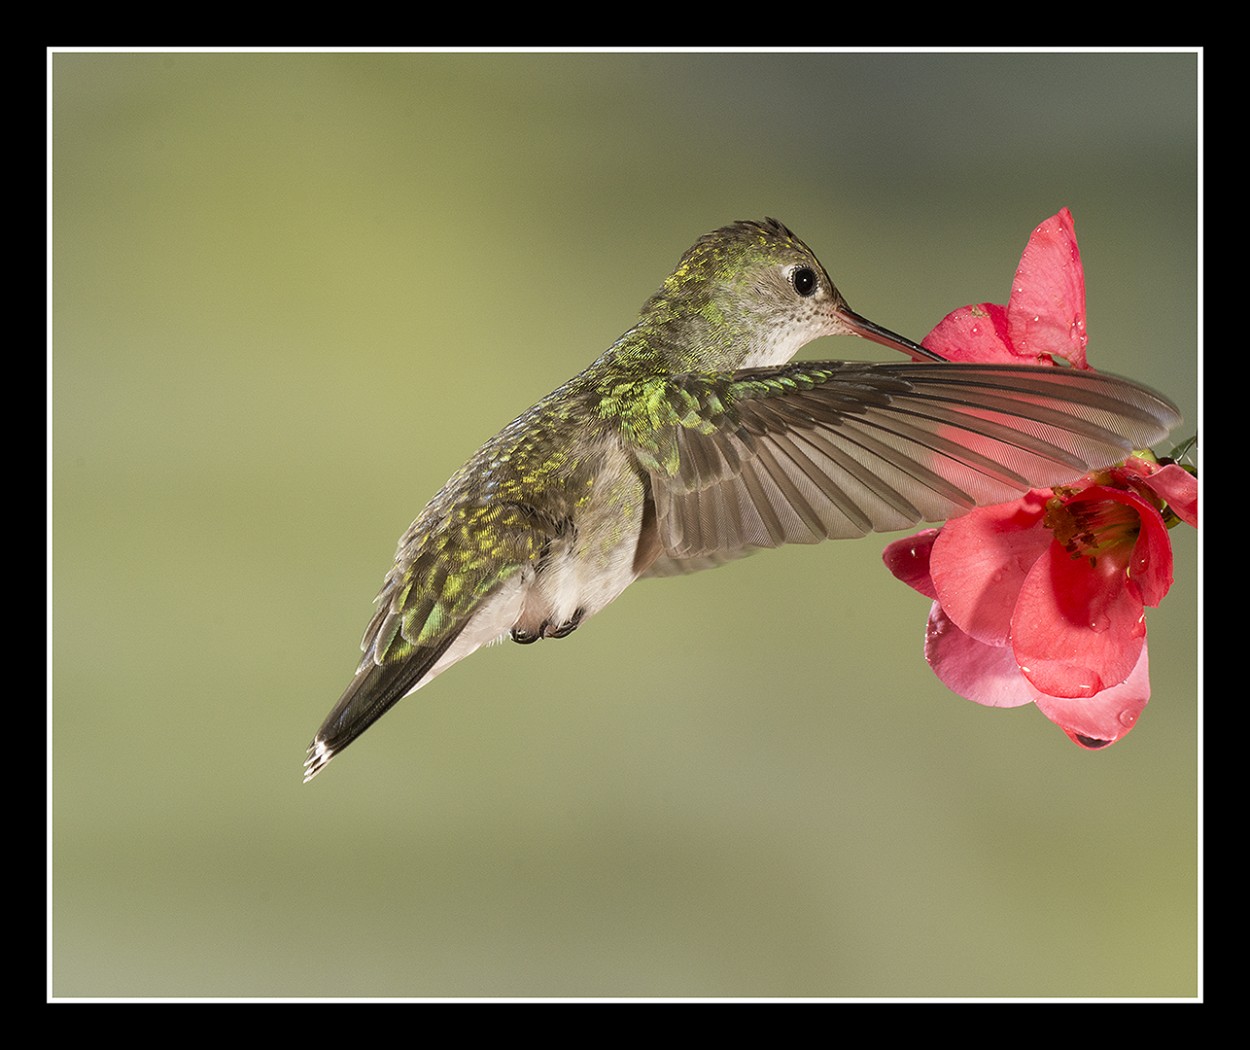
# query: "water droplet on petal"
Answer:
x=1128 y=718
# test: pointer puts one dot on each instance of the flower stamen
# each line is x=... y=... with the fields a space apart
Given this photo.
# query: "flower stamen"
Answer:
x=1092 y=528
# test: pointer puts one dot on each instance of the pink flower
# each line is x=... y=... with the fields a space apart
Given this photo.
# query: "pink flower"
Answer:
x=1042 y=600
x=1043 y=319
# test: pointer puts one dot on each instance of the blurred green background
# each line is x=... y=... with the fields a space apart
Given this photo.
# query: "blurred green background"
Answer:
x=293 y=292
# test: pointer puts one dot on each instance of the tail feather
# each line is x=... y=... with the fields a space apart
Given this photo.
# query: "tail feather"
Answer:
x=374 y=690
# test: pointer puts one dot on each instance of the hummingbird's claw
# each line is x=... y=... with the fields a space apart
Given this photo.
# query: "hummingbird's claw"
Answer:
x=522 y=636
x=566 y=628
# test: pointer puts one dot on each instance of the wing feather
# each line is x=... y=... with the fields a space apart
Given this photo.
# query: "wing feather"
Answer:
x=824 y=450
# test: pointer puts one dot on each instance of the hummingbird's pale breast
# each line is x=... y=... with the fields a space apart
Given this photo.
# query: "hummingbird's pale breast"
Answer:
x=583 y=567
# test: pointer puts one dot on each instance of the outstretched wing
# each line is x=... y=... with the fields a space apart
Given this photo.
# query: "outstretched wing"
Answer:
x=827 y=450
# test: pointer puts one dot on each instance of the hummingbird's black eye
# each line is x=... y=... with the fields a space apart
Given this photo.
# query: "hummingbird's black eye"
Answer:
x=805 y=281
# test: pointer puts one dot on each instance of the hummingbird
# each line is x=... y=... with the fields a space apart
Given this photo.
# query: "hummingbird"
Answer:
x=692 y=440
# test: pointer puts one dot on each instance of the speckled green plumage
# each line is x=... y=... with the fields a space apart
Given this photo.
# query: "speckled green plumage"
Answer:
x=493 y=519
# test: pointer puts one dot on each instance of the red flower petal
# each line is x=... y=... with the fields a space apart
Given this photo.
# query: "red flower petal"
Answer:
x=985 y=674
x=973 y=333
x=1078 y=629
x=981 y=560
x=1178 y=489
x=909 y=561
x=1046 y=312
x=1103 y=719
x=1149 y=564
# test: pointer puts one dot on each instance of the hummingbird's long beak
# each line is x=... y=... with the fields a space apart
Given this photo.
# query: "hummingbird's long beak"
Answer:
x=866 y=328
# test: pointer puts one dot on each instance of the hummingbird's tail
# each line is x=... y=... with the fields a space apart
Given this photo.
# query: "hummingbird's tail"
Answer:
x=374 y=690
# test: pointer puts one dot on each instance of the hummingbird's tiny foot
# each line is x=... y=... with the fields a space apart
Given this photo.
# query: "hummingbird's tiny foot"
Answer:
x=566 y=628
x=524 y=636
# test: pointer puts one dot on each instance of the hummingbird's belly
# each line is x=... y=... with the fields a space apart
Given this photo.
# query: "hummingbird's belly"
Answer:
x=595 y=560
x=580 y=573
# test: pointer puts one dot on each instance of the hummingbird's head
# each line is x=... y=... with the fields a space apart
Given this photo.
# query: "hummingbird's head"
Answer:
x=752 y=294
